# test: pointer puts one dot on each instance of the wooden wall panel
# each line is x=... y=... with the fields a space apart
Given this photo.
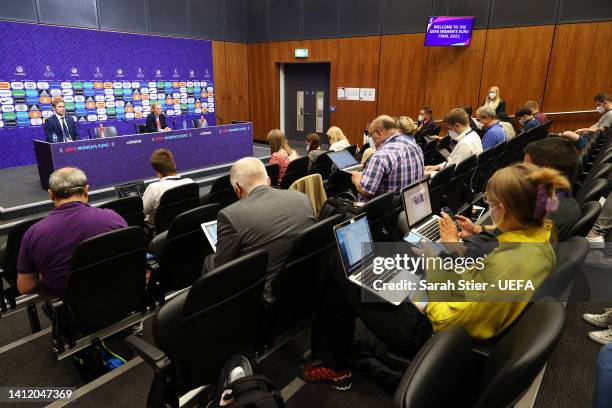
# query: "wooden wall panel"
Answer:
x=403 y=74
x=221 y=90
x=580 y=66
x=573 y=121
x=516 y=60
x=453 y=75
x=237 y=82
x=357 y=67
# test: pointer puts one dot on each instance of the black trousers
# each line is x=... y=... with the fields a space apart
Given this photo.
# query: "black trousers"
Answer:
x=403 y=329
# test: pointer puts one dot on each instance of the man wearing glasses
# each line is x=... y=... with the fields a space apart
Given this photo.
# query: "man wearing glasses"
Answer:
x=397 y=162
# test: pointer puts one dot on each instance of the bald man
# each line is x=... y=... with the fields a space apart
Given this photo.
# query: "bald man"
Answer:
x=262 y=218
x=397 y=162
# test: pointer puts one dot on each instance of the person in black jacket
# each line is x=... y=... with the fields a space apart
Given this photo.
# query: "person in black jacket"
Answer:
x=473 y=124
x=494 y=100
x=426 y=125
x=156 y=120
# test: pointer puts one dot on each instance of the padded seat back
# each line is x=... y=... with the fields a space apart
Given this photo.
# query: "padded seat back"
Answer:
x=175 y=201
x=130 y=208
x=218 y=317
x=222 y=192
x=298 y=286
x=518 y=358
x=273 y=170
x=297 y=169
x=322 y=165
x=182 y=257
x=106 y=281
x=437 y=185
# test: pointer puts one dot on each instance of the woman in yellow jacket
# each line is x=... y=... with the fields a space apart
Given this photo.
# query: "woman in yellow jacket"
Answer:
x=519 y=196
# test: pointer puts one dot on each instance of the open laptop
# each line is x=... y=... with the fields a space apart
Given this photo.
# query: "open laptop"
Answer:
x=356 y=248
x=210 y=230
x=417 y=205
x=344 y=161
x=132 y=189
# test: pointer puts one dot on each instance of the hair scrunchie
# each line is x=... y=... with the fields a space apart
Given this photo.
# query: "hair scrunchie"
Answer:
x=544 y=203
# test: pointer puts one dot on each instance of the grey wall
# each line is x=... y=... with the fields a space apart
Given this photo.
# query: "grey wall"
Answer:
x=208 y=19
x=282 y=20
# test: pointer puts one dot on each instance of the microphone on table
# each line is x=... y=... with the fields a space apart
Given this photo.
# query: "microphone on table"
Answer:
x=89 y=133
x=174 y=124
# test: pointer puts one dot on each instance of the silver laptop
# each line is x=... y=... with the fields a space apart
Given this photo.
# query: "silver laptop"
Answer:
x=210 y=230
x=417 y=205
x=444 y=152
x=344 y=161
x=356 y=248
x=132 y=189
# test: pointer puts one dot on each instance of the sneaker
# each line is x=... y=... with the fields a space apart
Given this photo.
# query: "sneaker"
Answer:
x=340 y=381
x=594 y=238
x=602 y=337
x=599 y=320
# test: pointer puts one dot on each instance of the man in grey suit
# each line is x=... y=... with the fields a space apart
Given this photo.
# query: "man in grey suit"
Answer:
x=263 y=218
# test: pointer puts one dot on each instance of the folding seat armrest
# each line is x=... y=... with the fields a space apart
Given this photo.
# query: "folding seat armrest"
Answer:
x=149 y=353
x=204 y=198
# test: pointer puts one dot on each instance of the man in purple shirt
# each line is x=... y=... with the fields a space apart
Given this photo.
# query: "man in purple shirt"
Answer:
x=47 y=246
x=397 y=162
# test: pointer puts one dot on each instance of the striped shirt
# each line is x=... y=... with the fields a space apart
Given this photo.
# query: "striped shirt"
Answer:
x=395 y=164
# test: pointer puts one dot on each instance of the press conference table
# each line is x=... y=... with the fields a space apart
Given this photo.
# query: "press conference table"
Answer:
x=115 y=160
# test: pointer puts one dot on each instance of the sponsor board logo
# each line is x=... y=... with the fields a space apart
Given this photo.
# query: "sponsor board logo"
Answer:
x=158 y=73
x=175 y=74
x=98 y=73
x=117 y=85
x=5 y=93
x=79 y=98
x=110 y=104
x=68 y=98
x=102 y=117
x=66 y=85
x=6 y=101
x=92 y=118
x=74 y=72
x=110 y=91
x=47 y=114
x=129 y=115
x=135 y=85
x=19 y=70
x=21 y=108
x=64 y=92
x=8 y=108
x=29 y=85
x=17 y=85
x=48 y=72
x=36 y=121
x=140 y=73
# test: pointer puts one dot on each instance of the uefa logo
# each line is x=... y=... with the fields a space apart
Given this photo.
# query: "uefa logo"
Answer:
x=158 y=73
x=48 y=72
x=19 y=70
x=119 y=72
x=191 y=73
x=98 y=73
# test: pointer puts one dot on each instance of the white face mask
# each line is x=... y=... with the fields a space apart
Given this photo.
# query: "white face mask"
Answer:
x=454 y=135
x=600 y=109
x=496 y=222
x=420 y=118
x=492 y=95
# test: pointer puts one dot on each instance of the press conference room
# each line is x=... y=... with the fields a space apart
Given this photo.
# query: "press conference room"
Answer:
x=338 y=203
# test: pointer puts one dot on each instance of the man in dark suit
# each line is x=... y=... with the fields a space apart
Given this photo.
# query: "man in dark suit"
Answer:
x=63 y=126
x=156 y=120
x=263 y=218
x=426 y=124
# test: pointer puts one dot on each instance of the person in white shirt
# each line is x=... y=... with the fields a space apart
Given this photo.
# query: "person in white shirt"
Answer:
x=163 y=163
x=468 y=141
x=337 y=140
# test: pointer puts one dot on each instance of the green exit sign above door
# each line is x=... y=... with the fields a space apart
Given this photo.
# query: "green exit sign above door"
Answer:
x=301 y=53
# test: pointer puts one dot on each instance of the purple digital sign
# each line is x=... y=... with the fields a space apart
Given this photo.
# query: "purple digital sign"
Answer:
x=103 y=77
x=449 y=31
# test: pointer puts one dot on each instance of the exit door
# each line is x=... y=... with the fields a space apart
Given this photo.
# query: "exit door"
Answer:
x=306 y=100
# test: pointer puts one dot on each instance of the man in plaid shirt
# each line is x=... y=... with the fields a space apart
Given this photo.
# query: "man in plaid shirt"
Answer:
x=397 y=162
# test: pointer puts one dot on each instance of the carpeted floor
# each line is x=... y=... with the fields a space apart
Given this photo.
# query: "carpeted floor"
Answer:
x=570 y=373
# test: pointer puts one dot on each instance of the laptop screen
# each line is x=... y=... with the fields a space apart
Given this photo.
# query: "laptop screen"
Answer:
x=351 y=237
x=416 y=202
x=343 y=159
x=135 y=189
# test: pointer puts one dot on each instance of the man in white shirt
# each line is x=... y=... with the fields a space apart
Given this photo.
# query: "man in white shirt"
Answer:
x=163 y=163
x=468 y=141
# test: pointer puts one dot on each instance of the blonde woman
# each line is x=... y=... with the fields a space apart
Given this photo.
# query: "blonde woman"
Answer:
x=406 y=126
x=337 y=140
x=494 y=100
x=281 y=152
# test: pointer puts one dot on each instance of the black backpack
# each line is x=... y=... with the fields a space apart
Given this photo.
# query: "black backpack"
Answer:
x=343 y=204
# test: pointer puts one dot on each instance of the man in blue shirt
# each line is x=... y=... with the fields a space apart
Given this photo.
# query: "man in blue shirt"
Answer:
x=526 y=118
x=494 y=133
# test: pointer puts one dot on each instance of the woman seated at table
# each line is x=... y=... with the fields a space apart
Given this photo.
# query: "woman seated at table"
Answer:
x=281 y=152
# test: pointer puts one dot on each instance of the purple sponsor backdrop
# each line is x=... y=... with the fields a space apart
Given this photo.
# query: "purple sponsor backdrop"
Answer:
x=57 y=55
x=449 y=31
x=115 y=160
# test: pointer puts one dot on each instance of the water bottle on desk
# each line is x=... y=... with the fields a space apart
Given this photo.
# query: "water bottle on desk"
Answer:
x=184 y=124
x=54 y=137
x=101 y=130
x=203 y=122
